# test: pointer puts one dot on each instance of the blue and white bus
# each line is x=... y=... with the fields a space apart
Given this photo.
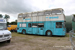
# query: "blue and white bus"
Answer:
x=46 y=22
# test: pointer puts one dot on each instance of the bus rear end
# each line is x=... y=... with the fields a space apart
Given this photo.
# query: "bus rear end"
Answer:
x=60 y=29
x=59 y=22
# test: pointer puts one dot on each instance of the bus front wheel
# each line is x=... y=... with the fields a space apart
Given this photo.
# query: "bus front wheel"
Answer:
x=49 y=33
x=23 y=31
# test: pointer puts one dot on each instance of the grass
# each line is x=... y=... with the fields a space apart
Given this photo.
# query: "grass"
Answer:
x=14 y=34
x=67 y=34
x=35 y=42
x=58 y=39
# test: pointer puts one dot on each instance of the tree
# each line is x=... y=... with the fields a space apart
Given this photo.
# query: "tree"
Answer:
x=12 y=23
x=1 y=16
x=7 y=17
x=8 y=23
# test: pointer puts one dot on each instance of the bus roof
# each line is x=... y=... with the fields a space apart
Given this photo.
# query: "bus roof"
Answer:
x=41 y=11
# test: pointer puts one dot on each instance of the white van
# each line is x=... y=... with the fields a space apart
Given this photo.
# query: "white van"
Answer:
x=5 y=35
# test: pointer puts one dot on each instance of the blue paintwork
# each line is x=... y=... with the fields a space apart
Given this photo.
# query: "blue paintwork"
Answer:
x=46 y=17
x=40 y=30
x=48 y=25
x=55 y=17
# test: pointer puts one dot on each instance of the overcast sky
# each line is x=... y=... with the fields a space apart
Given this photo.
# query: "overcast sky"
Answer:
x=13 y=7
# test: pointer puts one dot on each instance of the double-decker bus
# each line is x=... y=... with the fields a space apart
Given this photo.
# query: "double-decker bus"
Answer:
x=46 y=22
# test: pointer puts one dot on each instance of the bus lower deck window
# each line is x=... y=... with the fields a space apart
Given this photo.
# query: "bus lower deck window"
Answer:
x=40 y=24
x=20 y=25
x=34 y=25
x=23 y=25
x=29 y=25
x=58 y=24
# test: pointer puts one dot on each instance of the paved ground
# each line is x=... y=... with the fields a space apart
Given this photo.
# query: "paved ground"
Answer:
x=35 y=42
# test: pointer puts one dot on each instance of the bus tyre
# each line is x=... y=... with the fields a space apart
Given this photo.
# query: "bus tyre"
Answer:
x=23 y=31
x=8 y=41
x=49 y=33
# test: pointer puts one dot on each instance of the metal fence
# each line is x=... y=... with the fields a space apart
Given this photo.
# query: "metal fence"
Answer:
x=72 y=39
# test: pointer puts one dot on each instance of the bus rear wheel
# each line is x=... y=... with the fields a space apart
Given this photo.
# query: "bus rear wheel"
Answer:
x=49 y=33
x=23 y=31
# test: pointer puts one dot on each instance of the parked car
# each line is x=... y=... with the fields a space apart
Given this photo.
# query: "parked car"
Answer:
x=5 y=34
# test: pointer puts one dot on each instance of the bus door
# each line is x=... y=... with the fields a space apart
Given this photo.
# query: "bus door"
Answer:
x=58 y=28
x=29 y=28
x=34 y=28
x=41 y=28
x=64 y=28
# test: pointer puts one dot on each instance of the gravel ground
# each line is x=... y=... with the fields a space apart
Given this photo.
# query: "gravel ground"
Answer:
x=36 y=42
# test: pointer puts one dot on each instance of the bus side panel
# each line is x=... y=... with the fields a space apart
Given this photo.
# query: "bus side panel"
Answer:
x=51 y=25
x=59 y=31
x=20 y=28
x=41 y=29
x=64 y=31
x=29 y=29
x=48 y=25
x=35 y=30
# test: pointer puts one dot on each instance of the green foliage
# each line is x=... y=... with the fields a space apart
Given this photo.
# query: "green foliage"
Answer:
x=67 y=34
x=68 y=23
x=6 y=16
x=12 y=23
x=1 y=15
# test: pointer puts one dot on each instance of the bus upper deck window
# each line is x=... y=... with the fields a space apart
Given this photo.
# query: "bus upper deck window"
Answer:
x=20 y=16
x=24 y=15
x=29 y=15
x=48 y=13
x=34 y=14
x=56 y=12
x=58 y=24
x=40 y=13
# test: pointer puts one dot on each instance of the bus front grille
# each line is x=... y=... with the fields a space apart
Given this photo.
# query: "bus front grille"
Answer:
x=6 y=35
